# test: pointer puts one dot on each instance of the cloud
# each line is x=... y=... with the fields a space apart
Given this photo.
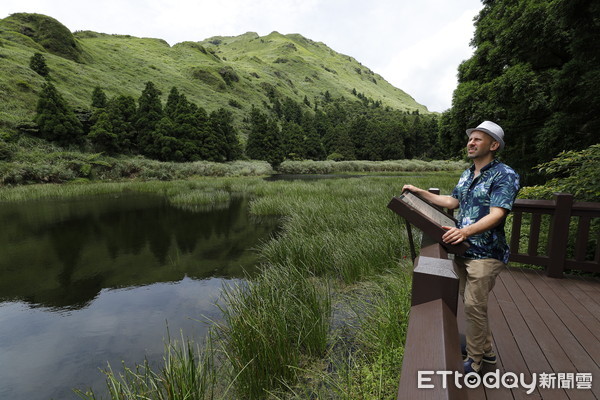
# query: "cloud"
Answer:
x=427 y=69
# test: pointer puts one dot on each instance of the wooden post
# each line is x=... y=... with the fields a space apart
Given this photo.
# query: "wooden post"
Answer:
x=432 y=345
x=435 y=278
x=559 y=234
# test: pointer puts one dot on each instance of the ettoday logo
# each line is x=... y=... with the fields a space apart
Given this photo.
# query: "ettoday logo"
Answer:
x=509 y=380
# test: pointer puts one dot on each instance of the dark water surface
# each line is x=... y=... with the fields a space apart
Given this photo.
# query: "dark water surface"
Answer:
x=89 y=281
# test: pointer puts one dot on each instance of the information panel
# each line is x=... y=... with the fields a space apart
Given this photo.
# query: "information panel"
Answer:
x=427 y=217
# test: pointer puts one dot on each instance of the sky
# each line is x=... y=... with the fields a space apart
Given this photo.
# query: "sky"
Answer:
x=414 y=45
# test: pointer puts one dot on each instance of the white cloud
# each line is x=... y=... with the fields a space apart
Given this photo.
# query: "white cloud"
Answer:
x=427 y=69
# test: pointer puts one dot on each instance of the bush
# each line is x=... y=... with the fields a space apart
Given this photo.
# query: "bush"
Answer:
x=229 y=75
x=6 y=151
x=574 y=172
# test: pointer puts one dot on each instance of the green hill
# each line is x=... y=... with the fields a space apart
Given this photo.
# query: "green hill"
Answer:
x=217 y=72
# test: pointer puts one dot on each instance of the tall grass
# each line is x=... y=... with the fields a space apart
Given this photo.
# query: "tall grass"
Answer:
x=334 y=230
x=29 y=160
x=271 y=325
x=366 y=342
x=331 y=167
x=188 y=373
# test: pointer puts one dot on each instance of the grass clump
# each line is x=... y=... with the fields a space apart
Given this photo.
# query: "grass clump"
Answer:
x=359 y=166
x=188 y=373
x=29 y=160
x=271 y=325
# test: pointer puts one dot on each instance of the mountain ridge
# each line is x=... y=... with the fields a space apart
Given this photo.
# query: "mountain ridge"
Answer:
x=221 y=71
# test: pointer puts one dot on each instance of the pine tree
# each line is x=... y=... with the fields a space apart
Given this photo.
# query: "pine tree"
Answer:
x=55 y=118
x=37 y=63
x=292 y=141
x=99 y=99
x=149 y=113
x=221 y=122
x=264 y=139
x=172 y=103
x=123 y=116
x=313 y=147
x=102 y=134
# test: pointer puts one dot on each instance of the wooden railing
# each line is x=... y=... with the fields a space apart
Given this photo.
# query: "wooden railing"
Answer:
x=563 y=212
x=432 y=338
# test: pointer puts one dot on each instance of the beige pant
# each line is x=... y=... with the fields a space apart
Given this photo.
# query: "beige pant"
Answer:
x=477 y=278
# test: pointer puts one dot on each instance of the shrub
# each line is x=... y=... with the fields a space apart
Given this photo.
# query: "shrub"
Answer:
x=229 y=75
x=573 y=172
x=38 y=64
x=6 y=151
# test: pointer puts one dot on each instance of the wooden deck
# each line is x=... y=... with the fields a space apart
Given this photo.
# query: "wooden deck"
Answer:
x=542 y=324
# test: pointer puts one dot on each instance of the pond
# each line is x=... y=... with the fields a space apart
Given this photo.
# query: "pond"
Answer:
x=93 y=281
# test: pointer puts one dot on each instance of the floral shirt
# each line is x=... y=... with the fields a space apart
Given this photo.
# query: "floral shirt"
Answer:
x=496 y=186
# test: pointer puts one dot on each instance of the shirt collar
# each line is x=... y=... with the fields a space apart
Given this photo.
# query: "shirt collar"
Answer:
x=488 y=166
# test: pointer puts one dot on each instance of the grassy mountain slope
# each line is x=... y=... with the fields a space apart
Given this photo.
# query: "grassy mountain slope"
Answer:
x=217 y=72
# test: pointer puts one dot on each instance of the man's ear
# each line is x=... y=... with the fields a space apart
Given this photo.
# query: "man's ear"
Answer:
x=495 y=145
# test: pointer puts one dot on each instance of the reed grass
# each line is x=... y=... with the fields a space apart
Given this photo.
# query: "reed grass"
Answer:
x=332 y=167
x=271 y=324
x=188 y=373
x=366 y=343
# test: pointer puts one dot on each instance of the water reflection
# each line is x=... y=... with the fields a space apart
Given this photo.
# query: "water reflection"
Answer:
x=61 y=254
x=87 y=281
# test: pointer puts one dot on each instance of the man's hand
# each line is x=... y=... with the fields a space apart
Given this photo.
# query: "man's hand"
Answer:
x=410 y=188
x=454 y=235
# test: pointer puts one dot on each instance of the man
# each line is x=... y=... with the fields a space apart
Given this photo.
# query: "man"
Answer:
x=485 y=194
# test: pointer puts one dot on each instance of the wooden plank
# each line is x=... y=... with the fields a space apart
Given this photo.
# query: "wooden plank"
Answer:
x=533 y=206
x=568 y=337
x=533 y=308
x=572 y=303
x=506 y=293
x=586 y=306
x=591 y=286
x=507 y=350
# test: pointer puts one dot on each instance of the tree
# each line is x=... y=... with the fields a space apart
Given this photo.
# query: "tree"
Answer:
x=37 y=63
x=55 y=118
x=292 y=141
x=122 y=112
x=149 y=113
x=99 y=99
x=264 y=139
x=102 y=134
x=535 y=71
x=221 y=123
x=172 y=103
x=313 y=146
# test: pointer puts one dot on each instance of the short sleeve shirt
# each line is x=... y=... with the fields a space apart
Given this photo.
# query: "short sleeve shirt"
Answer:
x=496 y=186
